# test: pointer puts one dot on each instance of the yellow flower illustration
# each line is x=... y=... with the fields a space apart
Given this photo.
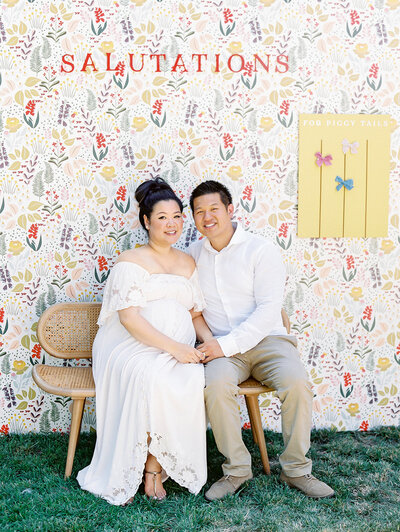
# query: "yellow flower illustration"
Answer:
x=108 y=172
x=361 y=49
x=107 y=47
x=356 y=293
x=353 y=409
x=138 y=3
x=10 y=3
x=383 y=363
x=139 y=123
x=19 y=366
x=235 y=47
x=393 y=4
x=387 y=246
x=235 y=172
x=266 y=123
x=13 y=124
x=15 y=247
x=267 y=3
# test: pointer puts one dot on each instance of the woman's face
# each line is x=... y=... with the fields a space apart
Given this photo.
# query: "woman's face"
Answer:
x=165 y=223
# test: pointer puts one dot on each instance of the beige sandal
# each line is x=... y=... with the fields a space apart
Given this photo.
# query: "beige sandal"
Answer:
x=155 y=473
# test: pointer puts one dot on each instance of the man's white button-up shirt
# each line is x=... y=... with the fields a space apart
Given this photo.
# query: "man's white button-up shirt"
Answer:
x=243 y=287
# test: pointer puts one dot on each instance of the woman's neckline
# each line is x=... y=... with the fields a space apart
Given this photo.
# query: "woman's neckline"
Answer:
x=157 y=273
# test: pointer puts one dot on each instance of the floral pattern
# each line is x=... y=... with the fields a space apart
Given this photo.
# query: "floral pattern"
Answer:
x=75 y=143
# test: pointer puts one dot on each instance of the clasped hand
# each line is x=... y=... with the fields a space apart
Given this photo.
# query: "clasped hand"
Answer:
x=187 y=354
x=211 y=350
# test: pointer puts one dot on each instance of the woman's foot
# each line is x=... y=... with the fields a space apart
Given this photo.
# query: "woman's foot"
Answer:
x=128 y=502
x=153 y=486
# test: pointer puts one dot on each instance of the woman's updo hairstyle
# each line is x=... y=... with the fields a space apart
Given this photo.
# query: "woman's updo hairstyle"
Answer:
x=149 y=193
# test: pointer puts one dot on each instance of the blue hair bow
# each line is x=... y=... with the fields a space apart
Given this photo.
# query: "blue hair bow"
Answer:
x=347 y=183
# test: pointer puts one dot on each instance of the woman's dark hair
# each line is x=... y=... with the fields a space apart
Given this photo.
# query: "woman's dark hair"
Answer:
x=149 y=193
x=211 y=187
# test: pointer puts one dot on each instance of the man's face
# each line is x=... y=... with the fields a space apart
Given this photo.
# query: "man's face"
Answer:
x=211 y=217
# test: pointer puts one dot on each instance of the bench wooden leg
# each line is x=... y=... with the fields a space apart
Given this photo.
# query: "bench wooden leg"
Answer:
x=76 y=420
x=249 y=411
x=256 y=425
x=80 y=424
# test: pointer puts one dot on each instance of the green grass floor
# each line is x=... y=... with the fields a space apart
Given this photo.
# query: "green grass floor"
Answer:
x=363 y=468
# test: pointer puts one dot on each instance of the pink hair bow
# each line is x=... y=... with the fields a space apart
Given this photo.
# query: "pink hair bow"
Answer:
x=353 y=147
x=320 y=160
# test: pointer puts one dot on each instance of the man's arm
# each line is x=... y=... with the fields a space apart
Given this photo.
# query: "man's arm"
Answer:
x=269 y=284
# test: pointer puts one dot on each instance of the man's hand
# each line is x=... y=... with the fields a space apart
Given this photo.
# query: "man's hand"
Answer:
x=211 y=350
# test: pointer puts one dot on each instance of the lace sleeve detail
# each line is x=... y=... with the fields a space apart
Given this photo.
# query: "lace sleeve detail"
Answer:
x=198 y=299
x=124 y=289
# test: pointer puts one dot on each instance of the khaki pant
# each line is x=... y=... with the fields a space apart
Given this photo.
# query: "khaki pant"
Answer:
x=275 y=362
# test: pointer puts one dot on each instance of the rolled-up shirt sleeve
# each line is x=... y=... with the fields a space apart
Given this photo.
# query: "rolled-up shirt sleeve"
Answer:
x=269 y=284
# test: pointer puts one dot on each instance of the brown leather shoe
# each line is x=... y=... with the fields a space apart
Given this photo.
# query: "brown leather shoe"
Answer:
x=309 y=485
x=225 y=485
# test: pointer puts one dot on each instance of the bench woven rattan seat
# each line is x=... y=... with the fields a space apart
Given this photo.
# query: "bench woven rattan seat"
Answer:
x=69 y=382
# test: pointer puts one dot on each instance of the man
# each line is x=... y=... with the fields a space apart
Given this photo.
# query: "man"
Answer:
x=242 y=277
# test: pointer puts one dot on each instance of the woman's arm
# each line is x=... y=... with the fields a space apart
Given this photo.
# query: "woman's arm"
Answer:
x=143 y=331
x=203 y=332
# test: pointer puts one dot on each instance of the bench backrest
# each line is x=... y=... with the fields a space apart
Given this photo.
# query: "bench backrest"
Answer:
x=67 y=330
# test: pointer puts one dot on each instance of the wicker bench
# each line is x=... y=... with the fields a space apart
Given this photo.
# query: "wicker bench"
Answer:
x=67 y=331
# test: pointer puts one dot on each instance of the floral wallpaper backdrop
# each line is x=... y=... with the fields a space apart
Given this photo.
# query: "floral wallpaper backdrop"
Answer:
x=74 y=146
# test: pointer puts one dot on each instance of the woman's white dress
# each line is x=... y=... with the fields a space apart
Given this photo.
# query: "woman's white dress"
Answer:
x=141 y=390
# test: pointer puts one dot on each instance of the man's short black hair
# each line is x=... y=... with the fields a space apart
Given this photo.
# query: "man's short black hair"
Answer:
x=211 y=187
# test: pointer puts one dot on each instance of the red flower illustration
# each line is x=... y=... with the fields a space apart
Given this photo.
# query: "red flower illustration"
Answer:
x=33 y=231
x=364 y=426
x=248 y=69
x=102 y=262
x=1 y=315
x=120 y=68
x=367 y=314
x=4 y=429
x=157 y=107
x=397 y=348
x=99 y=15
x=36 y=350
x=354 y=17
x=350 y=262
x=100 y=140
x=121 y=193
x=283 y=230
x=373 y=71
x=228 y=141
x=347 y=379
x=30 y=108
x=246 y=425
x=228 y=17
x=247 y=193
x=284 y=108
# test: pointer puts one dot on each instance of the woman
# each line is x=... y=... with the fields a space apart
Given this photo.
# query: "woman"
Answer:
x=149 y=379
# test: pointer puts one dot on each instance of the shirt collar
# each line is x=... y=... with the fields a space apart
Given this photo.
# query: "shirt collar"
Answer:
x=238 y=236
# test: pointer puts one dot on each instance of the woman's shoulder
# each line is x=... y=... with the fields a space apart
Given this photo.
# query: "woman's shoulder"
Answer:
x=186 y=262
x=135 y=257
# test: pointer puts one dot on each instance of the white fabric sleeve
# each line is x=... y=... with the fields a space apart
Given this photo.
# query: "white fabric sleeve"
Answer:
x=198 y=299
x=124 y=289
x=269 y=285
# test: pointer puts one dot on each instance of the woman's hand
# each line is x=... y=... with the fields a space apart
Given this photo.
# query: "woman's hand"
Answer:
x=187 y=354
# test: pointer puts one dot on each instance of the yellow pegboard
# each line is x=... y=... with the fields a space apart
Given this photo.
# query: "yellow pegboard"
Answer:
x=359 y=146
